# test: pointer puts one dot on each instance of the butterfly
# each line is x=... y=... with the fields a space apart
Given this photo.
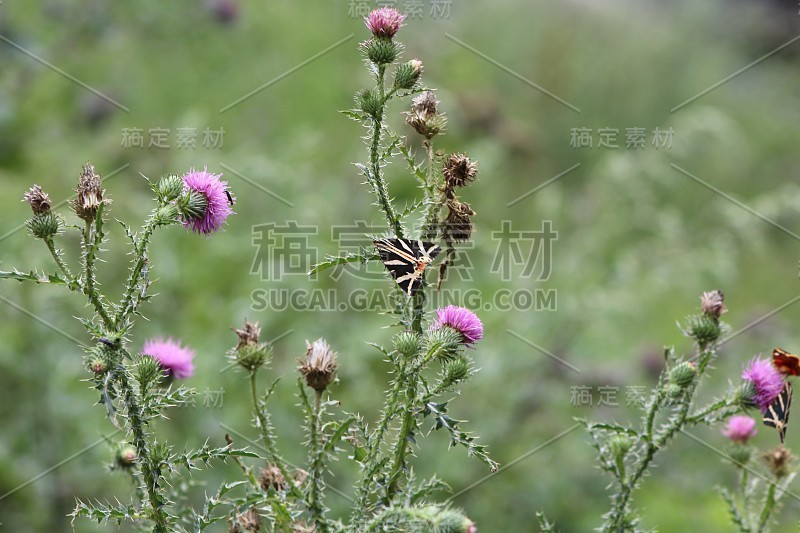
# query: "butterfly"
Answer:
x=786 y=363
x=406 y=260
x=777 y=415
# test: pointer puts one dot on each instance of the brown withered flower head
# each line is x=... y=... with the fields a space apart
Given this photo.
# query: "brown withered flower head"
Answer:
x=712 y=303
x=90 y=195
x=424 y=115
x=459 y=171
x=271 y=478
x=38 y=200
x=249 y=521
x=319 y=366
x=778 y=460
x=248 y=335
x=458 y=224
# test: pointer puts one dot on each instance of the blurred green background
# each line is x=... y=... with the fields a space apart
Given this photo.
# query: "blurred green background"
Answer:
x=638 y=240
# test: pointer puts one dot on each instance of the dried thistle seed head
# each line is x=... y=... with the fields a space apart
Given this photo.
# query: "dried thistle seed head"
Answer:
x=319 y=366
x=778 y=461
x=38 y=200
x=248 y=352
x=248 y=335
x=458 y=223
x=248 y=521
x=271 y=478
x=90 y=195
x=424 y=116
x=712 y=303
x=459 y=171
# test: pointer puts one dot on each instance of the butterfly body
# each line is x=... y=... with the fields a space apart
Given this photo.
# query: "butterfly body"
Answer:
x=406 y=260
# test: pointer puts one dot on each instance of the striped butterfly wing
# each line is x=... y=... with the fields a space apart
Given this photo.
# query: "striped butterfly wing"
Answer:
x=777 y=415
x=406 y=261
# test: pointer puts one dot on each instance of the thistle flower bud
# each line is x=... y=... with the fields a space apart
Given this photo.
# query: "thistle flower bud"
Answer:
x=740 y=454
x=459 y=171
x=673 y=391
x=620 y=445
x=452 y=521
x=712 y=304
x=778 y=461
x=271 y=478
x=45 y=225
x=442 y=343
x=458 y=223
x=38 y=200
x=98 y=365
x=370 y=103
x=169 y=188
x=407 y=75
x=89 y=194
x=683 y=374
x=424 y=116
x=381 y=51
x=249 y=353
x=704 y=329
x=125 y=455
x=407 y=343
x=319 y=366
x=455 y=371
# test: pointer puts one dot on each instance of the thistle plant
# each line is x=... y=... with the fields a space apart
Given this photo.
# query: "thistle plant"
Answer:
x=627 y=452
x=429 y=358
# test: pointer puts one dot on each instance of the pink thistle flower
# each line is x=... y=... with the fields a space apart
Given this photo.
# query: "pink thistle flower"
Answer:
x=216 y=194
x=767 y=382
x=462 y=320
x=384 y=22
x=174 y=358
x=740 y=428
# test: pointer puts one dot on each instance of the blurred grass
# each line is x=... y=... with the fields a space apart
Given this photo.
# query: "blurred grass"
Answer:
x=638 y=241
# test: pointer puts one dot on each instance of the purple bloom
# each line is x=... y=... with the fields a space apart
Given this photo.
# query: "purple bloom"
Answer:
x=462 y=320
x=216 y=193
x=174 y=358
x=740 y=428
x=384 y=22
x=766 y=380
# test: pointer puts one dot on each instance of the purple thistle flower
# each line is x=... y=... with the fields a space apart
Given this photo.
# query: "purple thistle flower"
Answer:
x=384 y=22
x=174 y=358
x=216 y=193
x=767 y=382
x=462 y=320
x=740 y=428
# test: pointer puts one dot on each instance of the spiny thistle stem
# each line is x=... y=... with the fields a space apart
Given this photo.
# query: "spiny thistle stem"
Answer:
x=126 y=306
x=375 y=173
x=371 y=463
x=92 y=236
x=316 y=460
x=62 y=265
x=433 y=199
x=150 y=472
x=266 y=436
x=769 y=504
x=403 y=437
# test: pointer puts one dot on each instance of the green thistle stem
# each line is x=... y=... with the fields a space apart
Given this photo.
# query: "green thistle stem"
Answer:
x=263 y=426
x=150 y=472
x=316 y=459
x=62 y=265
x=403 y=437
x=433 y=200
x=375 y=174
x=91 y=242
x=769 y=505
x=127 y=306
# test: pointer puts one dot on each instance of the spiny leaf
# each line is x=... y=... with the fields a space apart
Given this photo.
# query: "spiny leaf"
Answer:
x=33 y=276
x=363 y=257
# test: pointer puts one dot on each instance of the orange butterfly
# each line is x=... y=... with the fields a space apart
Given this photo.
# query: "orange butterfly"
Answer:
x=786 y=363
